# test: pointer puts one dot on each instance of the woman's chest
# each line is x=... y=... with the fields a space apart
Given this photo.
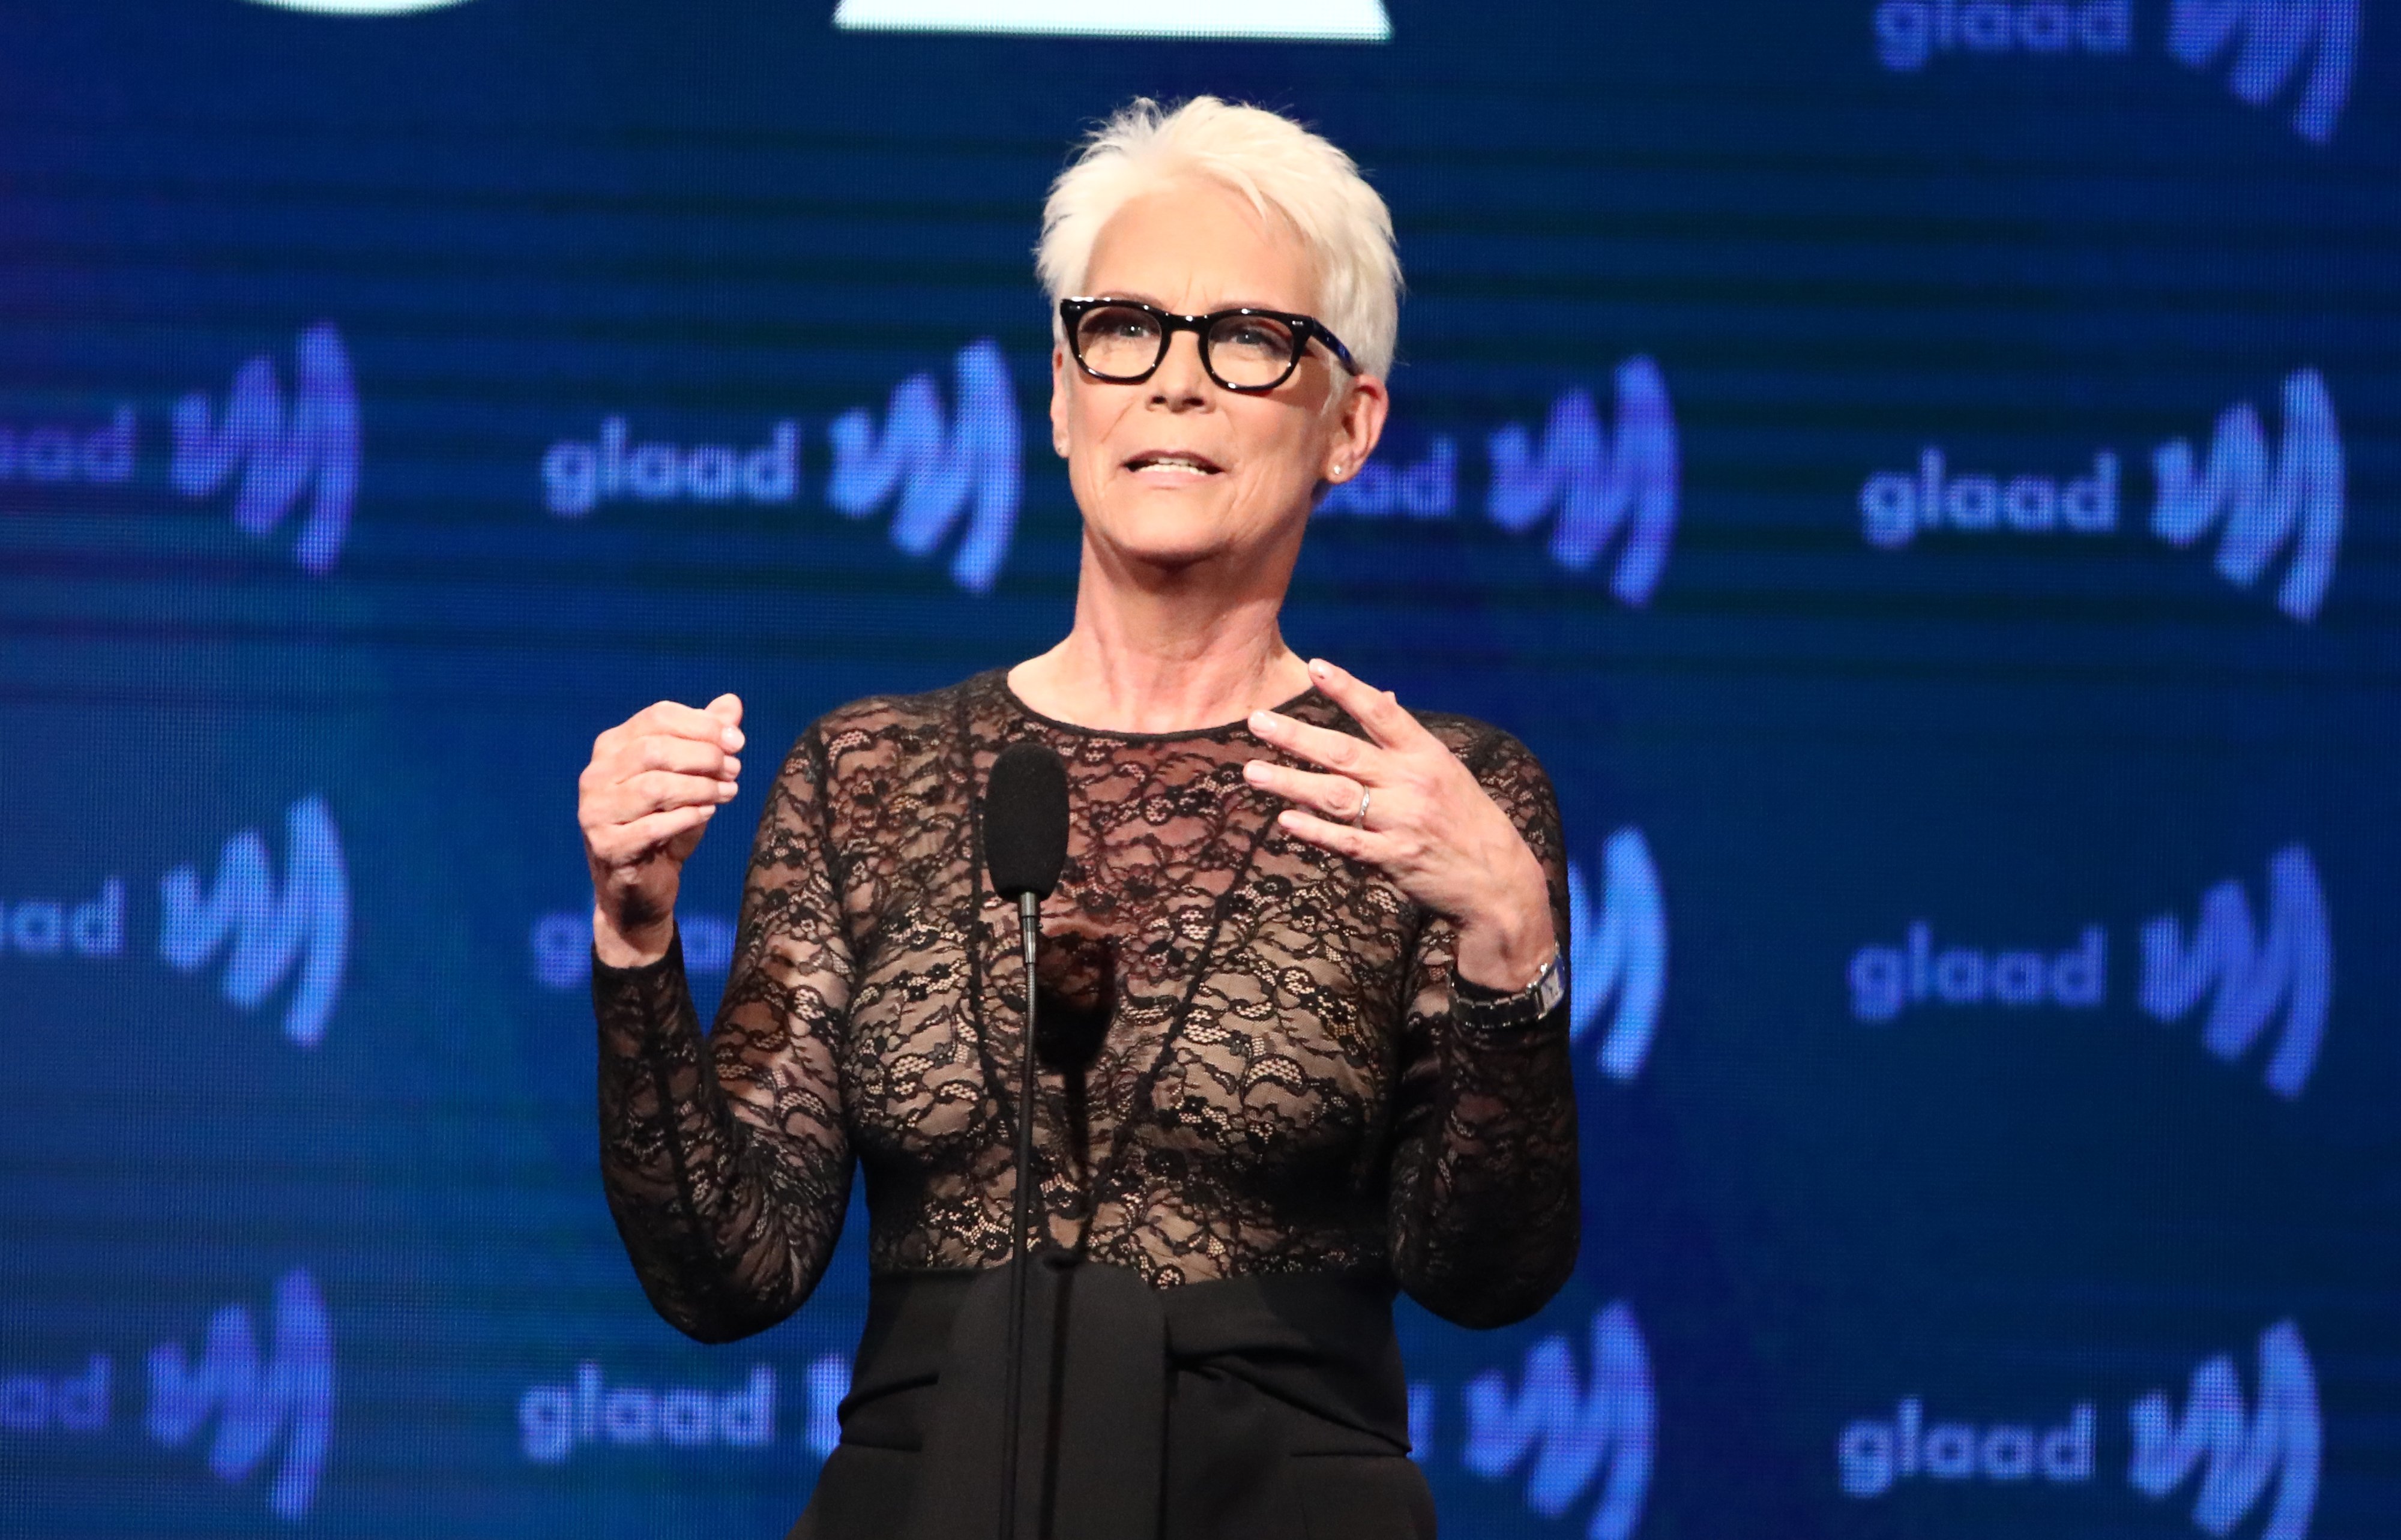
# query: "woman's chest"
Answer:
x=1243 y=1003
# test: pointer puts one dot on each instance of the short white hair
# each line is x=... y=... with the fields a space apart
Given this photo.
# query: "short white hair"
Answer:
x=1284 y=170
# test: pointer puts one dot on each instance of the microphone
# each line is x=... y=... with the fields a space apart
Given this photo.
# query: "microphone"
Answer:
x=1024 y=846
x=1025 y=821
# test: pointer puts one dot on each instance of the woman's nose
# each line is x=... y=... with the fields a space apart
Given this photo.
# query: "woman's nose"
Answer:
x=1180 y=379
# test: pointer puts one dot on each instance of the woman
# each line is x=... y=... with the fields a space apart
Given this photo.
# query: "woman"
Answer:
x=1305 y=1037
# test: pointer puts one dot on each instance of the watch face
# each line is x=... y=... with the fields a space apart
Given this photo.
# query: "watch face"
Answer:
x=1551 y=988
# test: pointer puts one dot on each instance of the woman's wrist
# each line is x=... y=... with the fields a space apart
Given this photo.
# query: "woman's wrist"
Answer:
x=620 y=945
x=1504 y=944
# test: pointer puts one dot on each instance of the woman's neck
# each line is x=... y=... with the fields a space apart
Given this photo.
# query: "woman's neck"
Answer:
x=1163 y=658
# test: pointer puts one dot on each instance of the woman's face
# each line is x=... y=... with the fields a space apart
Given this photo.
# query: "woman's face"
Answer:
x=1178 y=471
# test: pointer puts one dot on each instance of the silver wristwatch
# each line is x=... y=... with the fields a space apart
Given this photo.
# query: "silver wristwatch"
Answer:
x=1478 y=1007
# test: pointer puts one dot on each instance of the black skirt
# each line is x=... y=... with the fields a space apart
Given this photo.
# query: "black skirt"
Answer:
x=1268 y=1408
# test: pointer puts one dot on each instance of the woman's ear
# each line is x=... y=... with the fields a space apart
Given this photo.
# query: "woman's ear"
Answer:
x=1058 y=388
x=1358 y=425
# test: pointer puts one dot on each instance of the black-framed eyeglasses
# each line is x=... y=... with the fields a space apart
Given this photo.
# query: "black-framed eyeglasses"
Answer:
x=1124 y=341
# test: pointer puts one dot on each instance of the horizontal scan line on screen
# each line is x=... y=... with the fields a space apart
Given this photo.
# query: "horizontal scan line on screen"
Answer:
x=1311 y=21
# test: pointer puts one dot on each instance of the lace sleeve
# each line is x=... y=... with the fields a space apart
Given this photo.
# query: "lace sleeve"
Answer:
x=1485 y=1208
x=725 y=1159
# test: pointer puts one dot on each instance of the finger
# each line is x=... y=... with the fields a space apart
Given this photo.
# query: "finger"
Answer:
x=728 y=707
x=1337 y=751
x=1343 y=840
x=654 y=790
x=627 y=841
x=1337 y=797
x=1377 y=709
x=660 y=751
x=684 y=721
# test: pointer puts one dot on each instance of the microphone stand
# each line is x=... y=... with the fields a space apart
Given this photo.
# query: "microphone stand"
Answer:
x=1029 y=932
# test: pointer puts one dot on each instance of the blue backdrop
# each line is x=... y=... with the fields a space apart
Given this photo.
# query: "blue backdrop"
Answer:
x=1922 y=474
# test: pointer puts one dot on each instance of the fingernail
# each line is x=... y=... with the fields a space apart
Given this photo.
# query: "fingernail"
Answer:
x=1263 y=721
x=730 y=738
x=1319 y=667
x=731 y=769
x=726 y=791
x=1253 y=770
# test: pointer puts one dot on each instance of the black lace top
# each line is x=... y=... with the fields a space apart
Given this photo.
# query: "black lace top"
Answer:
x=1249 y=1061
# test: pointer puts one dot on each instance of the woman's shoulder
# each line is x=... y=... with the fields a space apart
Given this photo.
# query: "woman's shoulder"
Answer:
x=898 y=727
x=1484 y=748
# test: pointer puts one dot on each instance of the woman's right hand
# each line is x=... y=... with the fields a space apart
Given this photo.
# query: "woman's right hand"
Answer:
x=654 y=782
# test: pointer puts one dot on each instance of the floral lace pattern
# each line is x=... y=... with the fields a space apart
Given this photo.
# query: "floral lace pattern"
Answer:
x=1249 y=1060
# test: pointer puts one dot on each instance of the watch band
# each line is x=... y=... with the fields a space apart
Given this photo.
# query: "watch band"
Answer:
x=1484 y=1009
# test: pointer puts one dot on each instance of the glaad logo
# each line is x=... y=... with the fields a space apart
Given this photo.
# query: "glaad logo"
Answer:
x=55 y=452
x=2275 y=35
x=1908 y=33
x=941 y=469
x=291 y=1396
x=2297 y=499
x=1894 y=505
x=1579 y=1433
x=2262 y=507
x=307 y=924
x=1886 y=980
x=280 y=455
x=1874 y=1454
x=2294 y=969
x=1601 y=491
x=2281 y=1442
x=1617 y=953
x=2247 y=980
x=2239 y=1453
x=578 y=477
x=53 y=927
x=70 y=1403
x=552 y=1420
x=1320 y=20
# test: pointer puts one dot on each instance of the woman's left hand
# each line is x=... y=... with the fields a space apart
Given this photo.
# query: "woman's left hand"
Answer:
x=1405 y=803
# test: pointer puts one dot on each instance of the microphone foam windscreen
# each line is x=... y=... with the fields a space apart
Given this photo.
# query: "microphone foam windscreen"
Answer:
x=1025 y=820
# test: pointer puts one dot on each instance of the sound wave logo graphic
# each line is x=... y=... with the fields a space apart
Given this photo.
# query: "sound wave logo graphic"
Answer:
x=2249 y=980
x=2239 y=1452
x=943 y=467
x=2296 y=498
x=1617 y=953
x=290 y=1396
x=1604 y=488
x=2275 y=35
x=313 y=447
x=1320 y=20
x=305 y=925
x=1580 y=1434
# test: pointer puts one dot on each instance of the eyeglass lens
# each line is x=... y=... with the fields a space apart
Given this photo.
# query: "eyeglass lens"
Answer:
x=1120 y=342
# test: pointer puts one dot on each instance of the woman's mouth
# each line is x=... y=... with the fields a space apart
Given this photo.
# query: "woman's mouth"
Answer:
x=1174 y=462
